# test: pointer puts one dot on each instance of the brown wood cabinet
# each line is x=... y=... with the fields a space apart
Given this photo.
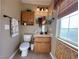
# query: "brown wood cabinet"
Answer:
x=63 y=51
x=42 y=44
x=27 y=17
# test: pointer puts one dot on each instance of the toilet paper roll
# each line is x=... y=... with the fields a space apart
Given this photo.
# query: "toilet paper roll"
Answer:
x=32 y=47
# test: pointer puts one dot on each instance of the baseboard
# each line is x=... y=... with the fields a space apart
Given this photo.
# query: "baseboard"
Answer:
x=52 y=56
x=11 y=57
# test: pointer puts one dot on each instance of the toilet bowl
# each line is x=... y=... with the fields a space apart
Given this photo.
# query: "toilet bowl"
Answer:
x=25 y=45
x=24 y=48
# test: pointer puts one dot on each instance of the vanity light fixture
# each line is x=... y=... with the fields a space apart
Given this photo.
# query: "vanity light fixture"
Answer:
x=42 y=9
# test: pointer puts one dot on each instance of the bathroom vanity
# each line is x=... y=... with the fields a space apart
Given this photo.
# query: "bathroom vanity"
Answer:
x=42 y=43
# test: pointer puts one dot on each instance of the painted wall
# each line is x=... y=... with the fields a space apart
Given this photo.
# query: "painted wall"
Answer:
x=28 y=6
x=53 y=41
x=0 y=28
x=8 y=44
x=54 y=29
x=30 y=29
x=37 y=2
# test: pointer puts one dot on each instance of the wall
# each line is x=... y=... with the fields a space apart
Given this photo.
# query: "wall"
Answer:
x=8 y=44
x=28 y=6
x=32 y=29
x=29 y=29
x=53 y=13
x=0 y=28
x=37 y=2
x=54 y=39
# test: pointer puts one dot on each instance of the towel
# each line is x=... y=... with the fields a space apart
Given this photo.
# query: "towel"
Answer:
x=14 y=27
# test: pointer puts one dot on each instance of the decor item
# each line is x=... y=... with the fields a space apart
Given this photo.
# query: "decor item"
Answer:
x=40 y=21
x=27 y=17
x=42 y=24
x=50 y=19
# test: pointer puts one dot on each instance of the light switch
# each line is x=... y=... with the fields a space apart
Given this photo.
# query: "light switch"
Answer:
x=7 y=27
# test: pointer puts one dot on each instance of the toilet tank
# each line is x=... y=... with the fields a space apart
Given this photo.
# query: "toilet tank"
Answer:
x=27 y=37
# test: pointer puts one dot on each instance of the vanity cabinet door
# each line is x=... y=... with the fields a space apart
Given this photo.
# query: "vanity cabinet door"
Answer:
x=42 y=45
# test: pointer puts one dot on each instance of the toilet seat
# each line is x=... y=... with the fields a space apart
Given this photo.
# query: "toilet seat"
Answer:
x=24 y=46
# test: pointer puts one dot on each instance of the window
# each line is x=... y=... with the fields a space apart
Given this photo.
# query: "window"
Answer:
x=68 y=28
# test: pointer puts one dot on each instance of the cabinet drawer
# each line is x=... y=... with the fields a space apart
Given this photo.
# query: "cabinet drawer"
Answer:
x=42 y=39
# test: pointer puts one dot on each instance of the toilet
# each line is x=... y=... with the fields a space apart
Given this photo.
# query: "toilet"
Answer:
x=25 y=45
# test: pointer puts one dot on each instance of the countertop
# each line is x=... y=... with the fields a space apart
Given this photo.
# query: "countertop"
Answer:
x=43 y=35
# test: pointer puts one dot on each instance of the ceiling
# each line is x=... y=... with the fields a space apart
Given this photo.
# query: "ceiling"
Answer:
x=37 y=2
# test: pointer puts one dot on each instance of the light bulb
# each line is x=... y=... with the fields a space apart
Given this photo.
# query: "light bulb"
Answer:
x=38 y=9
x=42 y=9
x=46 y=10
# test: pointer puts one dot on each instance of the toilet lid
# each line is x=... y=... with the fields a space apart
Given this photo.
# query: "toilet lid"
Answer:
x=24 y=46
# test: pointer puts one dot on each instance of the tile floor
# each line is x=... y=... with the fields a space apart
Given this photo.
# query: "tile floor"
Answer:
x=32 y=55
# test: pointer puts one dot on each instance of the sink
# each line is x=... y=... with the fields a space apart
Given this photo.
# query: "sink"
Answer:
x=43 y=33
